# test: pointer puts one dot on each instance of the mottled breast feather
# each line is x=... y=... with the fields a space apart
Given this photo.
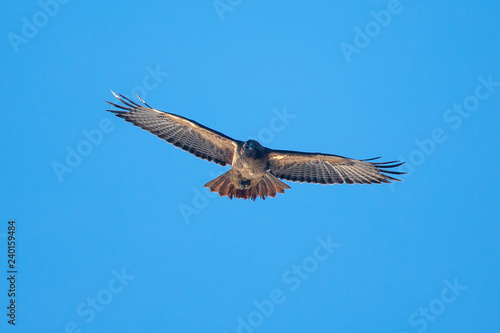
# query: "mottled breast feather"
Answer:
x=184 y=133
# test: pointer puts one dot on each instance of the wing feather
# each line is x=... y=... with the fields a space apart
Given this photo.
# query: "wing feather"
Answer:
x=184 y=133
x=329 y=169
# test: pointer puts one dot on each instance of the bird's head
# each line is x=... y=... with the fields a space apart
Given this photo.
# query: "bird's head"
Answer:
x=252 y=148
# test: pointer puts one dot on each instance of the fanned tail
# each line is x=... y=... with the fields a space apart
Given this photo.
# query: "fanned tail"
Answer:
x=267 y=187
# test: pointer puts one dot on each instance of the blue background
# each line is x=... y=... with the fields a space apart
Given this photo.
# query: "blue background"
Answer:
x=121 y=208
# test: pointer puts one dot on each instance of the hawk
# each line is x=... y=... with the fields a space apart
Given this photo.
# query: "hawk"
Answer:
x=255 y=169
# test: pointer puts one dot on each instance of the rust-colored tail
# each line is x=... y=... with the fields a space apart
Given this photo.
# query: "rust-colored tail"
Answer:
x=268 y=186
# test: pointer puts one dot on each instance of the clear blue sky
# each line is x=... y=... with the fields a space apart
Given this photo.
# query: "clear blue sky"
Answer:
x=116 y=233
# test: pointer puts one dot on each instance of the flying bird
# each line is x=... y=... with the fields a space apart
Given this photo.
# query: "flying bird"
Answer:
x=255 y=169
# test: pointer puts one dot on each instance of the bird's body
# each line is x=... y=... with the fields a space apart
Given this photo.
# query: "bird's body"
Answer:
x=255 y=168
x=249 y=164
x=248 y=177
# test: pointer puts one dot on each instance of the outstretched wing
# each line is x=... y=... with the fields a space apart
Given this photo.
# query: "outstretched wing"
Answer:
x=184 y=133
x=329 y=169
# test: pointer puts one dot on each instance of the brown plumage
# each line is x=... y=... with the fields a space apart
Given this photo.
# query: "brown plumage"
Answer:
x=255 y=169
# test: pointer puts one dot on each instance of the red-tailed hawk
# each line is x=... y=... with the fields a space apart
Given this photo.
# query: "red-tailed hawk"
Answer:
x=255 y=169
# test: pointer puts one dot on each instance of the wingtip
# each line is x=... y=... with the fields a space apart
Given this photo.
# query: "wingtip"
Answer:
x=110 y=103
x=371 y=159
x=114 y=94
x=384 y=166
x=140 y=98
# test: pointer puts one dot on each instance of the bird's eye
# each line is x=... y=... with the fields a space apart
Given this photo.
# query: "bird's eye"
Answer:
x=250 y=145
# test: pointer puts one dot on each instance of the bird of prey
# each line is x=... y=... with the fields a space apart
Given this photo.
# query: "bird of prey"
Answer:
x=255 y=169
